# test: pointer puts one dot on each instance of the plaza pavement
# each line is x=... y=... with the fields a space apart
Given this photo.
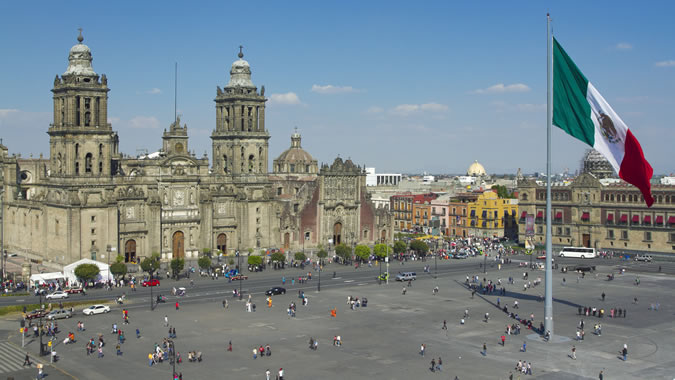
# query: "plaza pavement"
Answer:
x=383 y=339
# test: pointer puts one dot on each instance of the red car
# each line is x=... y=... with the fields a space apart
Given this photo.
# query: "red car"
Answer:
x=239 y=277
x=73 y=290
x=153 y=282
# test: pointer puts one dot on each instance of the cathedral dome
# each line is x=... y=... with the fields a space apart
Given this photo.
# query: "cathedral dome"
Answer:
x=476 y=169
x=240 y=73
x=295 y=159
x=79 y=59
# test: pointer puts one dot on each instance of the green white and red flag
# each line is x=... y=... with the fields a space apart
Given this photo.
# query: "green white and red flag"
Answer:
x=580 y=110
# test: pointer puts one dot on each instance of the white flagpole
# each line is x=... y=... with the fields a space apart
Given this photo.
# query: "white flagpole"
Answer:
x=548 y=308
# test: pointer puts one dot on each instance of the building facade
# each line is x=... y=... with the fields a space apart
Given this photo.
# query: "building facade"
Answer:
x=610 y=217
x=86 y=200
x=491 y=216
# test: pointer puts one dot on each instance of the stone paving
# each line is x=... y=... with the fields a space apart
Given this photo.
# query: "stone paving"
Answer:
x=383 y=339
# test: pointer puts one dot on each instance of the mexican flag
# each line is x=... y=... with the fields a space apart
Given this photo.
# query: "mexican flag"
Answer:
x=580 y=110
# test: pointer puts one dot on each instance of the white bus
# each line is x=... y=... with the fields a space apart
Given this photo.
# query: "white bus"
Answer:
x=579 y=252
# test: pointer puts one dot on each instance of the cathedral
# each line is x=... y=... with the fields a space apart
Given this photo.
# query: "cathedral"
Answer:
x=87 y=200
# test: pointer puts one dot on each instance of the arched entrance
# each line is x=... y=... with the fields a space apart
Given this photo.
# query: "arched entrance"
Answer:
x=221 y=243
x=130 y=251
x=383 y=237
x=337 y=233
x=287 y=240
x=178 y=245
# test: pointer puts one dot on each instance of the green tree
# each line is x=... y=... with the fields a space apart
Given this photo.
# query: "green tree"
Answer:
x=343 y=251
x=118 y=269
x=119 y=259
x=420 y=247
x=299 y=256
x=177 y=265
x=87 y=272
x=362 y=252
x=278 y=256
x=255 y=260
x=231 y=262
x=322 y=254
x=381 y=250
x=151 y=264
x=204 y=262
x=400 y=246
x=206 y=251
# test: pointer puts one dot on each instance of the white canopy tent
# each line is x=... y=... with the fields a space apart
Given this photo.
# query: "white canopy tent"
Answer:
x=42 y=278
x=103 y=276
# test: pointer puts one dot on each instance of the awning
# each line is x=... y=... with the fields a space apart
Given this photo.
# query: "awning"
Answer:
x=585 y=216
x=540 y=214
x=624 y=218
x=671 y=220
x=558 y=215
x=523 y=215
x=659 y=219
x=647 y=219
x=610 y=217
x=636 y=219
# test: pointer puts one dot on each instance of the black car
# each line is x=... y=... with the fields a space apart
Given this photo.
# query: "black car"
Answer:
x=275 y=290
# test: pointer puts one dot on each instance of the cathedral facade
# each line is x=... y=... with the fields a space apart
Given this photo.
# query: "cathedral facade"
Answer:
x=87 y=200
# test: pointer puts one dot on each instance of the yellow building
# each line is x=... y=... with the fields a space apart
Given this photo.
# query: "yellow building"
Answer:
x=490 y=216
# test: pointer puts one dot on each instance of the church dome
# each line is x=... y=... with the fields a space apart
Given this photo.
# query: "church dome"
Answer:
x=79 y=59
x=476 y=169
x=595 y=163
x=295 y=159
x=240 y=73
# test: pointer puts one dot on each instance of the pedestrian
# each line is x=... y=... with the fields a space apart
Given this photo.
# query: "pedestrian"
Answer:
x=119 y=349
x=574 y=352
x=177 y=305
x=601 y=376
x=484 y=349
x=524 y=349
x=40 y=375
x=150 y=360
x=433 y=365
x=166 y=321
x=100 y=351
x=255 y=353
x=529 y=368
x=422 y=348
x=503 y=340
x=281 y=374
x=26 y=361
x=267 y=374
x=445 y=325
x=624 y=352
x=439 y=364
x=138 y=333
x=229 y=346
x=603 y=296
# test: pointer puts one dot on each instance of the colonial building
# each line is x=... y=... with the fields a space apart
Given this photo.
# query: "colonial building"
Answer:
x=86 y=199
x=606 y=217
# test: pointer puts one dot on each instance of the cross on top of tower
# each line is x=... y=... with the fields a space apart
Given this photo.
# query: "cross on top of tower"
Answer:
x=241 y=52
x=80 y=38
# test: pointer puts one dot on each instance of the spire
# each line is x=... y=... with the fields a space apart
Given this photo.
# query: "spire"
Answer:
x=240 y=74
x=241 y=52
x=79 y=59
x=80 y=38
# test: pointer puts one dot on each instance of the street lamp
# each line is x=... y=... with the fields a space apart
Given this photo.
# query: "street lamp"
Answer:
x=484 y=261
x=239 y=271
x=172 y=348
x=2 y=233
x=42 y=351
x=318 y=288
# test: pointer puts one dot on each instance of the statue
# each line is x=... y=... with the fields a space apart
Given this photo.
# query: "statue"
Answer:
x=262 y=91
x=56 y=81
x=166 y=199
x=218 y=90
x=104 y=79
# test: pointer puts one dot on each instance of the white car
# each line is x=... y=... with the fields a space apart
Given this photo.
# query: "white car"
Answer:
x=57 y=295
x=96 y=309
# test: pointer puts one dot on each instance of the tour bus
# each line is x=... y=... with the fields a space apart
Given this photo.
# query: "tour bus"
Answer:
x=579 y=252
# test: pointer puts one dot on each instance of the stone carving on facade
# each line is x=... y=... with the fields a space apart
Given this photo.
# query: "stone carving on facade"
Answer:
x=179 y=198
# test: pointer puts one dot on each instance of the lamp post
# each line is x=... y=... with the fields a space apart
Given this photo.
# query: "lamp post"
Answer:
x=318 y=288
x=484 y=261
x=42 y=351
x=436 y=259
x=172 y=347
x=2 y=233
x=239 y=271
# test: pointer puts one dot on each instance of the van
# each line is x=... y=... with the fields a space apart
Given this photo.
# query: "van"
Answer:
x=406 y=276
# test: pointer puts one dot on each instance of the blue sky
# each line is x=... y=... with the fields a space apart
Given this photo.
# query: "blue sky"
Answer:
x=402 y=86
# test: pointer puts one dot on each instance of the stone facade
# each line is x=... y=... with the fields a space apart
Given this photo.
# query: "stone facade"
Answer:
x=87 y=199
x=606 y=217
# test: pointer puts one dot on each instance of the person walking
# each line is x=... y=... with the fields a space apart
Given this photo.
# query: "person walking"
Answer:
x=267 y=374
x=574 y=352
x=281 y=374
x=177 y=305
x=503 y=340
x=422 y=348
x=484 y=349
x=433 y=365
x=229 y=346
x=524 y=349
x=166 y=321
x=603 y=296
x=26 y=361
x=255 y=353
x=138 y=334
x=624 y=352
x=439 y=365
x=119 y=349
x=601 y=376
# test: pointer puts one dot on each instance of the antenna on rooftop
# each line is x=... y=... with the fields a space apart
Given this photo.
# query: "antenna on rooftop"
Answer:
x=175 y=94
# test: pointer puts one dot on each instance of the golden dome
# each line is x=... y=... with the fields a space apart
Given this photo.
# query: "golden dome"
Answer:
x=476 y=169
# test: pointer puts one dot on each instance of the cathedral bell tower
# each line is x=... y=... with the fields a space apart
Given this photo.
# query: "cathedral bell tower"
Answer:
x=82 y=143
x=240 y=141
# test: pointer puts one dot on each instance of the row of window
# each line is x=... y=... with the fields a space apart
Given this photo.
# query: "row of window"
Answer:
x=636 y=198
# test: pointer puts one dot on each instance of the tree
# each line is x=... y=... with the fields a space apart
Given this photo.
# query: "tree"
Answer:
x=151 y=264
x=118 y=269
x=343 y=251
x=419 y=247
x=87 y=272
x=362 y=252
x=206 y=251
x=278 y=256
x=255 y=260
x=299 y=256
x=204 y=262
x=381 y=250
x=400 y=246
x=322 y=254
x=119 y=259
x=177 y=265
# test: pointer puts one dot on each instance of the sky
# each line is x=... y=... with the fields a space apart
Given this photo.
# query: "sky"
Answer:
x=404 y=87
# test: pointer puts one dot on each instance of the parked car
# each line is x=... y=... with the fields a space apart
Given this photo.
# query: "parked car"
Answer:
x=406 y=276
x=460 y=256
x=74 y=290
x=275 y=291
x=231 y=272
x=643 y=258
x=151 y=282
x=96 y=309
x=383 y=277
x=239 y=277
x=59 y=314
x=57 y=295
x=37 y=313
